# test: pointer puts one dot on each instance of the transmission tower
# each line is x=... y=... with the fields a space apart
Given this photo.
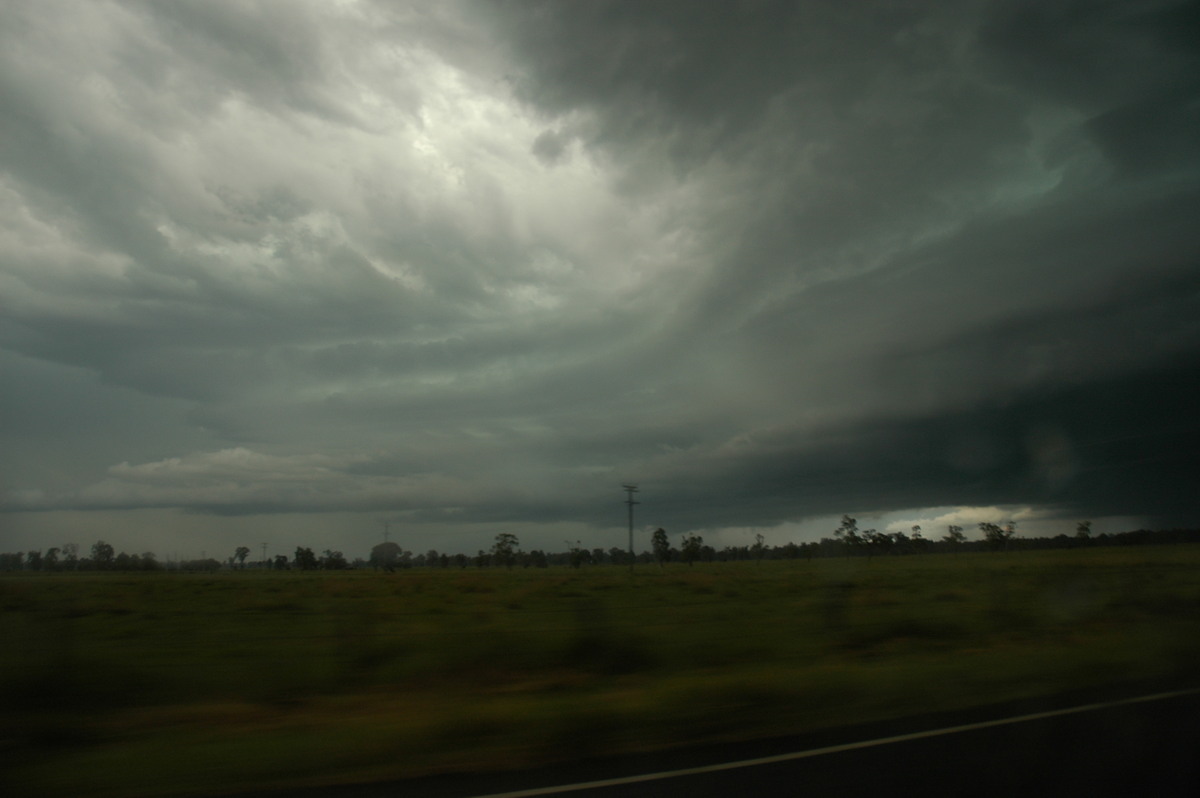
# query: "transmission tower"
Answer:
x=629 y=491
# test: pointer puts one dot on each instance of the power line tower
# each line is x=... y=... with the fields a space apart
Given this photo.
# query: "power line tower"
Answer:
x=630 y=489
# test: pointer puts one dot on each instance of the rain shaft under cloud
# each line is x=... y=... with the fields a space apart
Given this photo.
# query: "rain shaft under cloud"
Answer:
x=474 y=265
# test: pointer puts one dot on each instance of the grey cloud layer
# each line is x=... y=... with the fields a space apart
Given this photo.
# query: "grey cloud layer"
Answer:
x=499 y=257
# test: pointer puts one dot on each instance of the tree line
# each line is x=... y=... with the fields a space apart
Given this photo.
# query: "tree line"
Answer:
x=847 y=541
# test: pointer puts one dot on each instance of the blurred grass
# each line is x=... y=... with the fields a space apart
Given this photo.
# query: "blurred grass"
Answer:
x=164 y=684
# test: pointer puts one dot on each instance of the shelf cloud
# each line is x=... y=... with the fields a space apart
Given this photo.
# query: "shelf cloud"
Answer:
x=470 y=264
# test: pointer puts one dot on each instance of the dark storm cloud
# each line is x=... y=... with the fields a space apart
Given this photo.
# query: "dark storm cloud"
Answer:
x=862 y=129
x=482 y=262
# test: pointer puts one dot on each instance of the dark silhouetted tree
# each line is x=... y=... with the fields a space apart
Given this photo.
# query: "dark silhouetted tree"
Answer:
x=1083 y=530
x=690 y=546
x=102 y=554
x=385 y=555
x=333 y=560
x=661 y=546
x=305 y=559
x=876 y=542
x=917 y=540
x=240 y=554
x=847 y=533
x=504 y=549
x=998 y=536
x=576 y=554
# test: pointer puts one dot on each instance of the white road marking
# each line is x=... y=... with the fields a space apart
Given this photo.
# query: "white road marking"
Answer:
x=833 y=749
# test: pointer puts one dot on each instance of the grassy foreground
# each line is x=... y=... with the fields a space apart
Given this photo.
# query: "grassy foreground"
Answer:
x=169 y=684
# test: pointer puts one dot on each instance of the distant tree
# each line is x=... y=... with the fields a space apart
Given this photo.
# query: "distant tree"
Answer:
x=333 y=560
x=305 y=559
x=1083 y=530
x=102 y=554
x=70 y=552
x=847 y=533
x=206 y=564
x=385 y=555
x=281 y=562
x=955 y=536
x=759 y=547
x=876 y=542
x=576 y=554
x=504 y=549
x=690 y=547
x=33 y=561
x=998 y=536
x=537 y=558
x=661 y=546
x=462 y=560
x=918 y=541
x=50 y=560
x=240 y=554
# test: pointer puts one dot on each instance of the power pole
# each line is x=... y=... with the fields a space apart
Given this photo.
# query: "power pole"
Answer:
x=629 y=491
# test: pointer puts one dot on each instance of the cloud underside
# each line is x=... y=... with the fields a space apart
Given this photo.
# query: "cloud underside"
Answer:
x=489 y=261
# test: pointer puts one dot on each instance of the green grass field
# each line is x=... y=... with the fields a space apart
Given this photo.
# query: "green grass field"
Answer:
x=165 y=684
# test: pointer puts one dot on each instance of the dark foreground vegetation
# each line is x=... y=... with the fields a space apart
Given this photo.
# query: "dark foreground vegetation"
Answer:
x=182 y=683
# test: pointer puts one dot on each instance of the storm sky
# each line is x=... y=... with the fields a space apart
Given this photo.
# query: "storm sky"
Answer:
x=285 y=271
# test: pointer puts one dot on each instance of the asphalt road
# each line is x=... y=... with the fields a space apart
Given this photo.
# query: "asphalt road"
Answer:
x=1075 y=746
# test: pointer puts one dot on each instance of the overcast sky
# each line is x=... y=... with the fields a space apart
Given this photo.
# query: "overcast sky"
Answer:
x=283 y=271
